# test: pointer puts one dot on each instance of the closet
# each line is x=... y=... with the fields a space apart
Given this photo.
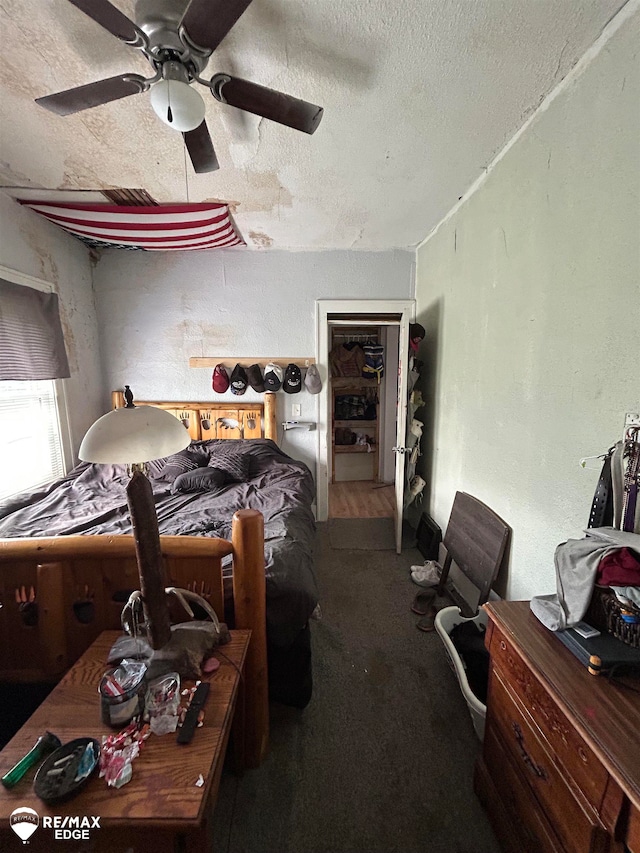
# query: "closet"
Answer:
x=355 y=405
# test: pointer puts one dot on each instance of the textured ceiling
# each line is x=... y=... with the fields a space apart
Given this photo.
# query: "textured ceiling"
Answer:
x=419 y=96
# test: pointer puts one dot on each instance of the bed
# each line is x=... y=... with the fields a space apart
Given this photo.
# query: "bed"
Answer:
x=89 y=506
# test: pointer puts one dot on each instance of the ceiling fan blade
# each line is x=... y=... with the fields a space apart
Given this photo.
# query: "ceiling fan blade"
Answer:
x=112 y=19
x=93 y=94
x=276 y=106
x=200 y=148
x=208 y=21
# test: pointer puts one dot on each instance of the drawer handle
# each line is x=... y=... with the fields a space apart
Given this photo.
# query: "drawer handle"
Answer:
x=533 y=767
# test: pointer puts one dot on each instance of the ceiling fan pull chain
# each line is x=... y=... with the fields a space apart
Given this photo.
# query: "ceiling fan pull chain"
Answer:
x=169 y=113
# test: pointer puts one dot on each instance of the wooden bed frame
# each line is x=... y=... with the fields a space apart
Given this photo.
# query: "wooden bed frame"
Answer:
x=215 y=420
x=76 y=586
x=58 y=594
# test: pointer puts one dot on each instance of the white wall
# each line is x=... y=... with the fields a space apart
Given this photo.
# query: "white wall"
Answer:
x=530 y=294
x=32 y=246
x=158 y=310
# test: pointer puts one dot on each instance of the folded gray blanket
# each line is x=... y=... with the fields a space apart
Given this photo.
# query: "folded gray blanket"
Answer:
x=576 y=562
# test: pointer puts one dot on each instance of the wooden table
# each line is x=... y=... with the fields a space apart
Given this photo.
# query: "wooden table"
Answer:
x=161 y=808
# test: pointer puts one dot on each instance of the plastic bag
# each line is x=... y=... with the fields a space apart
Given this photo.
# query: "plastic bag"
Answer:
x=162 y=703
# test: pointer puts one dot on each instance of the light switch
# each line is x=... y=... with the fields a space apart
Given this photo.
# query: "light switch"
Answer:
x=295 y=410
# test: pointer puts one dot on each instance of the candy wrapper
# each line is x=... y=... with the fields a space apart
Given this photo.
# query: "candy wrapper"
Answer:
x=118 y=752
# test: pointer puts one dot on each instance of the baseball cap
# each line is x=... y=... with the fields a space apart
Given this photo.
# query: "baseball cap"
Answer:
x=220 y=379
x=312 y=381
x=256 y=380
x=416 y=334
x=238 y=381
x=272 y=377
x=292 y=379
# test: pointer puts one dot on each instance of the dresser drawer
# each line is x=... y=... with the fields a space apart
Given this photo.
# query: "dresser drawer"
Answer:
x=633 y=832
x=576 y=826
x=583 y=770
x=526 y=830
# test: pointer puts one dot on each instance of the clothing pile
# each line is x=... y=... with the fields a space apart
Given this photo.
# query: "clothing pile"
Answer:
x=356 y=407
x=347 y=359
x=620 y=572
x=345 y=436
x=355 y=360
x=609 y=555
x=605 y=557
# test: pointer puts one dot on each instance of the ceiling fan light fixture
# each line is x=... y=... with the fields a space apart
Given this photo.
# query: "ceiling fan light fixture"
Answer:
x=177 y=37
x=177 y=104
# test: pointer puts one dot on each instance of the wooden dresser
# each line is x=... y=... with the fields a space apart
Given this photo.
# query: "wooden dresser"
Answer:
x=560 y=766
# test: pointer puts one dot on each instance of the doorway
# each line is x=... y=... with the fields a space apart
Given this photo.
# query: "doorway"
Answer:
x=361 y=483
x=359 y=419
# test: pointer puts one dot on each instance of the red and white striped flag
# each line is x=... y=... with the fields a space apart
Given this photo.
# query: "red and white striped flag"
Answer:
x=157 y=228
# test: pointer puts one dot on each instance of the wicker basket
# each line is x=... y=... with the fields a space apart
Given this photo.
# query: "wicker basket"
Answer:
x=605 y=613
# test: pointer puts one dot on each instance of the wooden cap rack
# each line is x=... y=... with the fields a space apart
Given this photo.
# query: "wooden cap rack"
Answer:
x=281 y=361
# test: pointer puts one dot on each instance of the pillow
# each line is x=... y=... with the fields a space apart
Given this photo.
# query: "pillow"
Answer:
x=199 y=480
x=155 y=467
x=234 y=463
x=179 y=463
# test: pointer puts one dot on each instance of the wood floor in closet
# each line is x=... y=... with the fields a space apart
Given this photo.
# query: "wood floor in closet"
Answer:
x=361 y=499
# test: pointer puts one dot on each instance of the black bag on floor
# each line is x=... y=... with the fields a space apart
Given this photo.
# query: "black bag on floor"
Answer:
x=468 y=640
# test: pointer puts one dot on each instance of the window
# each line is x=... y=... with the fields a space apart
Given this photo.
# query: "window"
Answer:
x=34 y=429
x=31 y=443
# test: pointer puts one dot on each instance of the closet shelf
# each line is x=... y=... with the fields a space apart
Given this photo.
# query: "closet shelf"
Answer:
x=230 y=360
x=349 y=382
x=357 y=424
x=354 y=448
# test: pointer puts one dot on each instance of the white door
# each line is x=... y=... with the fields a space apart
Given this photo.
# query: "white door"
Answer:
x=400 y=448
x=380 y=310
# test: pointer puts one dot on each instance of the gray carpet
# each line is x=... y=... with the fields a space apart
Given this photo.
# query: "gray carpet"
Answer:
x=382 y=758
x=362 y=534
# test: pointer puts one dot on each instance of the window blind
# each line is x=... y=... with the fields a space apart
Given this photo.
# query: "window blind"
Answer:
x=30 y=446
x=31 y=339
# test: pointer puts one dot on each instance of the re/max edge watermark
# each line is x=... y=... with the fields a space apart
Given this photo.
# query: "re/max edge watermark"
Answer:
x=25 y=821
x=71 y=827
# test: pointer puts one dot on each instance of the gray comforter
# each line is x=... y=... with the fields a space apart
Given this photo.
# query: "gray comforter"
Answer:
x=91 y=499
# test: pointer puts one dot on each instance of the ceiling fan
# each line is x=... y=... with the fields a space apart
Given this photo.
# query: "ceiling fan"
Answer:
x=178 y=43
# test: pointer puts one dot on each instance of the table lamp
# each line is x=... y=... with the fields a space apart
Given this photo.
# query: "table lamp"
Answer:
x=133 y=435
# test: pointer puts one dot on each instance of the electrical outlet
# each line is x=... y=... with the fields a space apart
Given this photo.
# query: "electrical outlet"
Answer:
x=295 y=410
x=631 y=424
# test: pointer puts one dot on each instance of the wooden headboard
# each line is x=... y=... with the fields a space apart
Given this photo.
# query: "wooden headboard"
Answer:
x=476 y=542
x=218 y=420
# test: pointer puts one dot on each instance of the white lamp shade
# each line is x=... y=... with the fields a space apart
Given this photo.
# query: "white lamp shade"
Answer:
x=177 y=104
x=126 y=436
